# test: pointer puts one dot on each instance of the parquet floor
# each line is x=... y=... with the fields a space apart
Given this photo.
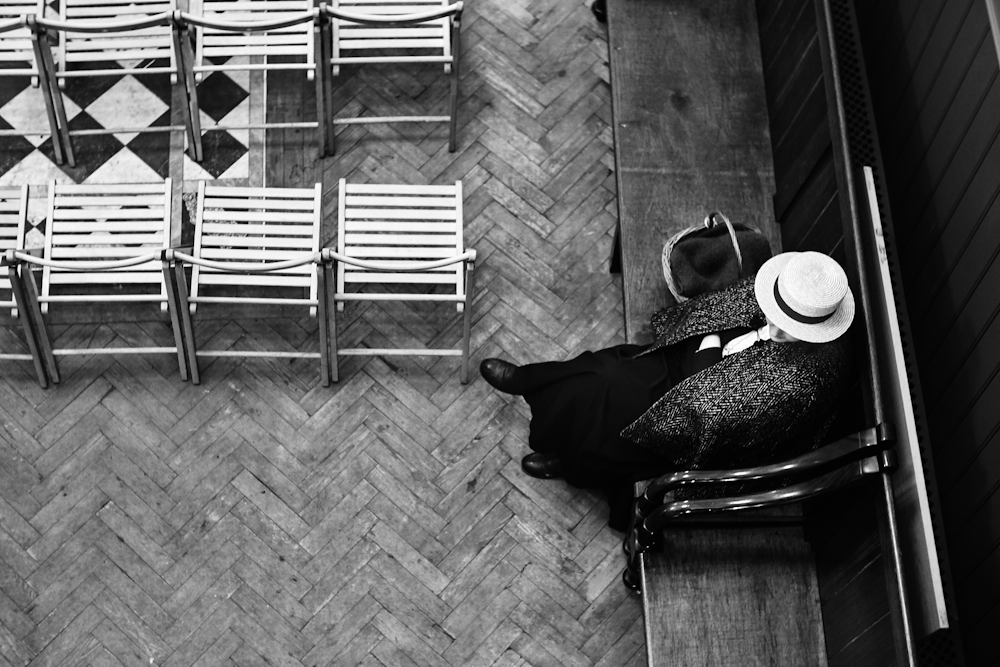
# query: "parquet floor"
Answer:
x=261 y=519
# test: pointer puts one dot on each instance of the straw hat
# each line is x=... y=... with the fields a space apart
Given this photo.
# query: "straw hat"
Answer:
x=806 y=294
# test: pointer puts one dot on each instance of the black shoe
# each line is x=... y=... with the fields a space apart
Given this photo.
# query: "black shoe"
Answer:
x=542 y=466
x=600 y=10
x=500 y=374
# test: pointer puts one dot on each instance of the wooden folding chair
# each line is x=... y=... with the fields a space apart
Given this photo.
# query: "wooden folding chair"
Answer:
x=399 y=236
x=103 y=245
x=21 y=54
x=394 y=31
x=255 y=35
x=13 y=215
x=254 y=246
x=117 y=38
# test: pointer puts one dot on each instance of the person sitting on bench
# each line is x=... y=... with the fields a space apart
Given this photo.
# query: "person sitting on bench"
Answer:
x=743 y=376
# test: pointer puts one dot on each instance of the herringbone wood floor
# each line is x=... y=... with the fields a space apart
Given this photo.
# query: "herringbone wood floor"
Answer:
x=260 y=518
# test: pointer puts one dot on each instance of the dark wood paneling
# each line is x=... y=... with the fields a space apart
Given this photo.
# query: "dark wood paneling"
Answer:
x=891 y=40
x=927 y=72
x=901 y=70
x=844 y=531
x=933 y=72
x=977 y=543
x=968 y=248
x=906 y=159
x=785 y=48
x=849 y=568
x=871 y=648
x=981 y=639
x=818 y=209
x=953 y=159
x=980 y=589
x=801 y=147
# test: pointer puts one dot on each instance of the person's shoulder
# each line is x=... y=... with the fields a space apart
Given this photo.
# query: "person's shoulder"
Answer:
x=733 y=306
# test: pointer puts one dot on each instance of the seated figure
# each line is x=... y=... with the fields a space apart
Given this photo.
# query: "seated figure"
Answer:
x=743 y=376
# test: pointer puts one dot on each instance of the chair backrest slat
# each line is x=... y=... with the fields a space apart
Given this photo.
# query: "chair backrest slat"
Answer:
x=294 y=40
x=152 y=43
x=16 y=46
x=400 y=225
x=256 y=226
x=431 y=35
x=90 y=223
x=13 y=215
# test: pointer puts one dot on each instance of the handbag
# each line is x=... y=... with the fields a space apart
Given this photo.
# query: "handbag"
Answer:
x=712 y=256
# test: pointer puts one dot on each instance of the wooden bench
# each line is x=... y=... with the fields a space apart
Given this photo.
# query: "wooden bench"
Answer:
x=691 y=123
x=691 y=134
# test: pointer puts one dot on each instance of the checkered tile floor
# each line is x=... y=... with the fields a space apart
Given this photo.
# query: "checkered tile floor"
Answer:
x=126 y=101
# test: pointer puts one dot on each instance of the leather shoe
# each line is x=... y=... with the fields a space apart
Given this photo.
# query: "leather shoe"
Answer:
x=500 y=374
x=600 y=10
x=542 y=466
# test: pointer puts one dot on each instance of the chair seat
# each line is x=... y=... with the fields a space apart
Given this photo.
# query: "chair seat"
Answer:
x=254 y=246
x=390 y=237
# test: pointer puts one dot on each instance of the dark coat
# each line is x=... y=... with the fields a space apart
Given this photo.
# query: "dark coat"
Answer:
x=769 y=402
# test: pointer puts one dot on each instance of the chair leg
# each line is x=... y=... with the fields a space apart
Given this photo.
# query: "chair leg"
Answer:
x=324 y=322
x=173 y=307
x=180 y=280
x=322 y=122
x=334 y=350
x=327 y=72
x=33 y=311
x=54 y=108
x=455 y=45
x=470 y=287
x=26 y=321
x=189 y=93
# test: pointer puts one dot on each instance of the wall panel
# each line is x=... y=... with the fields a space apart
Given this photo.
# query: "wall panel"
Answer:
x=933 y=71
x=844 y=530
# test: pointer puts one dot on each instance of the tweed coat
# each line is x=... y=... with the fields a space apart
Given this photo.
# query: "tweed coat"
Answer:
x=769 y=402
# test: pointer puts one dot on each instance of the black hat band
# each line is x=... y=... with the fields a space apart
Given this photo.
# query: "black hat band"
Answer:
x=795 y=315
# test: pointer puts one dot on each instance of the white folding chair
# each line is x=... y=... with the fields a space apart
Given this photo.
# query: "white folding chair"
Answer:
x=117 y=38
x=254 y=246
x=21 y=54
x=403 y=237
x=256 y=35
x=394 y=31
x=13 y=215
x=104 y=244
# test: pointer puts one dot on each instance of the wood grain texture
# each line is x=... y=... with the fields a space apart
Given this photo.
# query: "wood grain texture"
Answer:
x=734 y=597
x=691 y=132
x=933 y=97
x=260 y=518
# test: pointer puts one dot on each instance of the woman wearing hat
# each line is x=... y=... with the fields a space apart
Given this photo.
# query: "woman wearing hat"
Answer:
x=742 y=376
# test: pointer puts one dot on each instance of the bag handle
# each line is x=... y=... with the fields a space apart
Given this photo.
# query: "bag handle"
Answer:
x=711 y=220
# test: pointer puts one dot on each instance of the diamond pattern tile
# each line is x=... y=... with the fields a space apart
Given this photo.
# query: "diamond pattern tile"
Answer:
x=25 y=111
x=126 y=101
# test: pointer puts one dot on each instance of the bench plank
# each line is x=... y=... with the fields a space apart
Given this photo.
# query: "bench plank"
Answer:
x=691 y=132
x=760 y=606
